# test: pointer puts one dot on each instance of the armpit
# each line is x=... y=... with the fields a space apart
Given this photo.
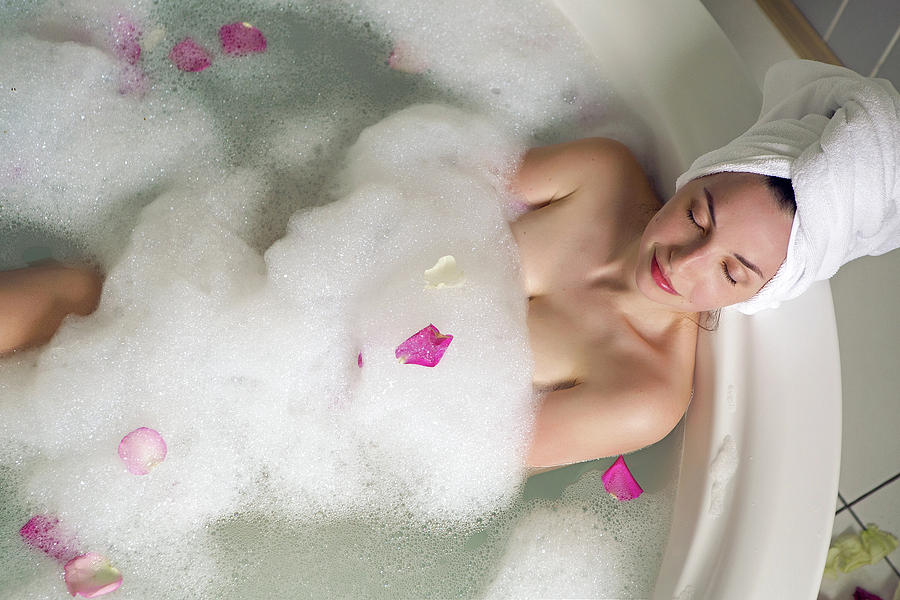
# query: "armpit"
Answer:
x=553 y=387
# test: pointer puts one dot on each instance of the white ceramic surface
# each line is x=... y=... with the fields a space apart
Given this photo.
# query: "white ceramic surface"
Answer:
x=771 y=382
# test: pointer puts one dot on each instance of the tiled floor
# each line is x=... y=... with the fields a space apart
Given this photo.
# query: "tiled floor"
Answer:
x=867 y=304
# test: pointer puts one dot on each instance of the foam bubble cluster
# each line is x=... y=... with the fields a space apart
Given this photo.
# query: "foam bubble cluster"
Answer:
x=264 y=225
x=597 y=549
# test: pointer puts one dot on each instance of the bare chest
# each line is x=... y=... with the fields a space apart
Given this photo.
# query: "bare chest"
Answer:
x=572 y=333
x=577 y=329
x=562 y=244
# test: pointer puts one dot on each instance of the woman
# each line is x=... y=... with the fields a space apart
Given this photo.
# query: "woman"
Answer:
x=617 y=281
x=614 y=299
x=813 y=184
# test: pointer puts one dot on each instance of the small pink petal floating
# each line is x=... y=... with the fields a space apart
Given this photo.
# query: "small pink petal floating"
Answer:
x=426 y=347
x=90 y=575
x=359 y=360
x=45 y=533
x=239 y=39
x=190 y=56
x=618 y=481
x=141 y=450
x=125 y=40
x=405 y=59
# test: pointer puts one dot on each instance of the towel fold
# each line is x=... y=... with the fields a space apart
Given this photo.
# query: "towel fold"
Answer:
x=836 y=135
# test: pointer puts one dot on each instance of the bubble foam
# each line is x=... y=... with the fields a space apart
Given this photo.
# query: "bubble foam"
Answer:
x=263 y=224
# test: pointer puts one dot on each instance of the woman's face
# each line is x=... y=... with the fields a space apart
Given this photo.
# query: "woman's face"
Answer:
x=716 y=242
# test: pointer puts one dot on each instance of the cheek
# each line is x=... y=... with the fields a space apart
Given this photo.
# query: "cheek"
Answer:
x=668 y=221
x=656 y=227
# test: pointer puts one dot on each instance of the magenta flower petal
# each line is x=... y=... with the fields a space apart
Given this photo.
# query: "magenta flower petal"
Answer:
x=190 y=56
x=141 y=450
x=91 y=575
x=239 y=39
x=618 y=481
x=861 y=594
x=44 y=533
x=407 y=60
x=426 y=347
x=125 y=40
x=359 y=360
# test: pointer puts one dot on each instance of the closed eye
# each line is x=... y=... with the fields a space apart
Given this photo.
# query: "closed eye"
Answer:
x=690 y=215
x=728 y=276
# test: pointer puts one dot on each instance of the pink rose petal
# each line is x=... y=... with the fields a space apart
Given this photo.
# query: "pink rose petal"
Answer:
x=91 y=575
x=426 y=347
x=190 y=56
x=125 y=40
x=407 y=60
x=44 y=533
x=141 y=450
x=239 y=39
x=618 y=481
x=359 y=360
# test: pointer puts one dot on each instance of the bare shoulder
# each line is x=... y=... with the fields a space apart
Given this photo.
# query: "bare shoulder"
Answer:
x=550 y=173
x=617 y=184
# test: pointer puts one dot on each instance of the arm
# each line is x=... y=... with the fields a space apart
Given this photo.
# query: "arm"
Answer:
x=585 y=422
x=551 y=173
x=35 y=300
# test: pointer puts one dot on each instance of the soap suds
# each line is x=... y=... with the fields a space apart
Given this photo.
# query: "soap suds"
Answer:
x=254 y=259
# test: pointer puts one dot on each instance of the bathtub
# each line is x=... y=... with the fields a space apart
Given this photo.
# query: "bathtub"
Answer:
x=768 y=386
x=770 y=383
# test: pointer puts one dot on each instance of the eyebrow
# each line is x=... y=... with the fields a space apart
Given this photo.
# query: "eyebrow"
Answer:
x=712 y=215
x=709 y=205
x=749 y=265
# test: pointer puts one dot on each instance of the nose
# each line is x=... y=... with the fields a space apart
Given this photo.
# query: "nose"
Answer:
x=691 y=257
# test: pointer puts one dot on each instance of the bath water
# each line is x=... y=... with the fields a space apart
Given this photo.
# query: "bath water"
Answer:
x=264 y=226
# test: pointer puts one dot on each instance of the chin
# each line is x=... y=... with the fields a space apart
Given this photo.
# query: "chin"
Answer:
x=651 y=291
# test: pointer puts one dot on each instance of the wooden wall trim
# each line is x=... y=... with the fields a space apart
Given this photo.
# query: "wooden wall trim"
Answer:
x=805 y=40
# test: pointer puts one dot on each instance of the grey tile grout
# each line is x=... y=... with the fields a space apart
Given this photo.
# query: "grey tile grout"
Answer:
x=834 y=20
x=843 y=502
x=871 y=491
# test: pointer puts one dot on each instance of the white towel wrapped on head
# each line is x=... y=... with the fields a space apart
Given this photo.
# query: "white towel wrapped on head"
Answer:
x=836 y=135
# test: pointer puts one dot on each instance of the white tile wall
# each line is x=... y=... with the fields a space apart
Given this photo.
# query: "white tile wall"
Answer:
x=867 y=304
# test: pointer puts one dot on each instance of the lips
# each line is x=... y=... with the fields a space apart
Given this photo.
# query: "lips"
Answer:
x=660 y=278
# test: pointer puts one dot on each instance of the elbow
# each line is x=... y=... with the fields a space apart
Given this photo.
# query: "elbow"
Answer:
x=654 y=424
x=601 y=433
x=82 y=290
